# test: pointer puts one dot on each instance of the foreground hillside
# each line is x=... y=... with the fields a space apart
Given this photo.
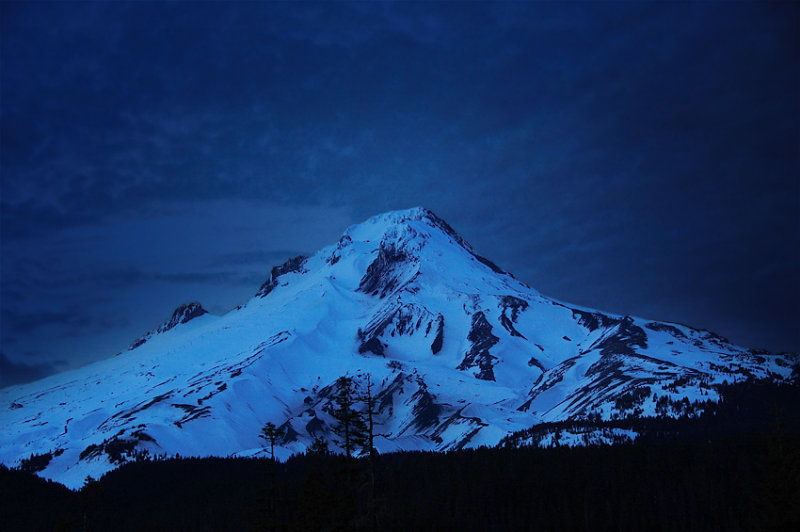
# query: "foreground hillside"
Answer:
x=731 y=469
x=736 y=484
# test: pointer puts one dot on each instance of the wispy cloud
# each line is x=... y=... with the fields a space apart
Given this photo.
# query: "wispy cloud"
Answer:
x=153 y=154
x=18 y=373
x=115 y=280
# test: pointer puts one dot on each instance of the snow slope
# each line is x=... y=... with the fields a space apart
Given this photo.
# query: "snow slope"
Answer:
x=460 y=352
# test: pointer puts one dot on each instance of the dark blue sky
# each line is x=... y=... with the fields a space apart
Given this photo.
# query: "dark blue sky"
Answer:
x=638 y=158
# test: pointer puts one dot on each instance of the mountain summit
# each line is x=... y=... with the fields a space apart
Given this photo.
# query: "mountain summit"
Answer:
x=460 y=353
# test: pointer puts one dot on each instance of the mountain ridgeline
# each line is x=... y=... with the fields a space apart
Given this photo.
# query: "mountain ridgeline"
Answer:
x=460 y=354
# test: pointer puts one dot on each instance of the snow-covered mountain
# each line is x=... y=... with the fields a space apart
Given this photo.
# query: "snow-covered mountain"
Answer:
x=460 y=352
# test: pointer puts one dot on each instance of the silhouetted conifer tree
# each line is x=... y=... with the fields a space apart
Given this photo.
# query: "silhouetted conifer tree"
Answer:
x=350 y=428
x=318 y=447
x=369 y=448
x=270 y=433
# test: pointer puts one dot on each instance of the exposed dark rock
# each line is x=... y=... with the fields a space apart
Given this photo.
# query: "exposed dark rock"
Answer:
x=373 y=345
x=426 y=410
x=182 y=314
x=623 y=341
x=718 y=337
x=139 y=341
x=403 y=322
x=91 y=450
x=393 y=321
x=548 y=380
x=192 y=412
x=144 y=405
x=141 y=436
x=289 y=434
x=385 y=398
x=606 y=371
x=663 y=327
x=712 y=337
x=494 y=267
x=315 y=427
x=436 y=346
x=295 y=264
x=444 y=226
x=221 y=387
x=336 y=255
x=534 y=362
x=381 y=275
x=482 y=340
x=594 y=320
x=394 y=365
x=14 y=406
x=458 y=419
x=516 y=305
x=702 y=333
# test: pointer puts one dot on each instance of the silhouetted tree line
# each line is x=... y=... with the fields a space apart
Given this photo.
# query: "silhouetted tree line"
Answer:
x=709 y=478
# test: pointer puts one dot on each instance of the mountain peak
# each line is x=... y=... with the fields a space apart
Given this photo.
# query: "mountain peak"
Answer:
x=394 y=222
x=459 y=354
x=400 y=216
x=411 y=228
x=414 y=214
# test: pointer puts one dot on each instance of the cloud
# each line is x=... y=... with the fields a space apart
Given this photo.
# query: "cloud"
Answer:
x=25 y=323
x=158 y=154
x=85 y=292
x=19 y=373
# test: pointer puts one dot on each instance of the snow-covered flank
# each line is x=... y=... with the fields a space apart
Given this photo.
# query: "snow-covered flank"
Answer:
x=459 y=352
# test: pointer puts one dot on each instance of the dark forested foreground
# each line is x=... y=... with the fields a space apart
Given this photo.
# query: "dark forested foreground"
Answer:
x=690 y=475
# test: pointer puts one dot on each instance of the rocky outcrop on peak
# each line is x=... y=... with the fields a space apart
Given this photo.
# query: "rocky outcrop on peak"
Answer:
x=594 y=320
x=514 y=305
x=336 y=255
x=397 y=320
x=482 y=339
x=295 y=264
x=383 y=274
x=436 y=346
x=183 y=314
x=624 y=340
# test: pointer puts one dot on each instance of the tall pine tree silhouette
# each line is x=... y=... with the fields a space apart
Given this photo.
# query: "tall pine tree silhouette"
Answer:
x=350 y=426
x=270 y=433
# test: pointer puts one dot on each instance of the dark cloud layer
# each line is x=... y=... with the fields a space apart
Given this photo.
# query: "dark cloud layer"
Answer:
x=639 y=158
x=13 y=373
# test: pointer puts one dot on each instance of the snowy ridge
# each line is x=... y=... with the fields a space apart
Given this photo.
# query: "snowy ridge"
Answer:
x=460 y=352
